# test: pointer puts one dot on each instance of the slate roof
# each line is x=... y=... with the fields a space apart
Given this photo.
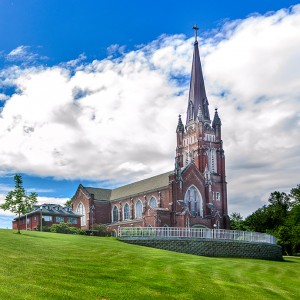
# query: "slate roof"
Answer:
x=99 y=193
x=197 y=94
x=142 y=186
x=52 y=210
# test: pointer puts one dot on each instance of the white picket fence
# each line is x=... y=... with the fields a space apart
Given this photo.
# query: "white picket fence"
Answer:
x=198 y=233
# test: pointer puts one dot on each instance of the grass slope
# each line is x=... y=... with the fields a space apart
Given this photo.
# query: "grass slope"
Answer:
x=37 y=265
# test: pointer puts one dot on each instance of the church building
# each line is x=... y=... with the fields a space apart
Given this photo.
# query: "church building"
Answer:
x=193 y=194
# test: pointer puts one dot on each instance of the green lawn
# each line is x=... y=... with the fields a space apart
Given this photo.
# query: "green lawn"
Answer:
x=37 y=265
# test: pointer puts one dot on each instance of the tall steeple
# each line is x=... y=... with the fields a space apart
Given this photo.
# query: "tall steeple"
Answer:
x=197 y=94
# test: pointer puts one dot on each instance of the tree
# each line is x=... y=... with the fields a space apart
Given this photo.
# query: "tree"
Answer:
x=17 y=201
x=295 y=194
x=236 y=221
x=68 y=203
x=280 y=218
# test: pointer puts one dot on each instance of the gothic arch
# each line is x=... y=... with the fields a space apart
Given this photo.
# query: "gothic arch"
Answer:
x=193 y=200
x=115 y=214
x=138 y=209
x=126 y=211
x=152 y=202
x=81 y=211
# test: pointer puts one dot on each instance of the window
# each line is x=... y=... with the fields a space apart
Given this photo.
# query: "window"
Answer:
x=28 y=221
x=81 y=211
x=218 y=196
x=193 y=201
x=115 y=214
x=138 y=209
x=213 y=160
x=126 y=215
x=153 y=202
x=34 y=219
x=72 y=220
x=47 y=218
x=59 y=219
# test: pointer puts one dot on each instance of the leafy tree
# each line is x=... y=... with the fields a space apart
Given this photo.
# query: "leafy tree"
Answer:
x=17 y=201
x=260 y=220
x=68 y=203
x=236 y=221
x=280 y=218
x=295 y=194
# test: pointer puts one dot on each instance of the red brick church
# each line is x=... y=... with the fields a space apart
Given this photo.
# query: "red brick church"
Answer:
x=194 y=194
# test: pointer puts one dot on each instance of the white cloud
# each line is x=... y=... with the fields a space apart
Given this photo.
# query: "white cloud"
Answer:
x=3 y=97
x=116 y=118
x=24 y=54
x=19 y=51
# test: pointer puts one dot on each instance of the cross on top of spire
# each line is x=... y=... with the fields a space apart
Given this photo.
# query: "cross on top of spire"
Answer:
x=195 y=31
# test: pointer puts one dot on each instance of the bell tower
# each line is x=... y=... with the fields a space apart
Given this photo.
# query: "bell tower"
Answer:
x=200 y=142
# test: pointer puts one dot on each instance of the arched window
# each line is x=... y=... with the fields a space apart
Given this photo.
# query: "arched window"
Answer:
x=115 y=214
x=138 y=209
x=126 y=215
x=152 y=202
x=213 y=160
x=81 y=211
x=193 y=200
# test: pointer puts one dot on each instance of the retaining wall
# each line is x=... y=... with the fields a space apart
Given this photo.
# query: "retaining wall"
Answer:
x=209 y=247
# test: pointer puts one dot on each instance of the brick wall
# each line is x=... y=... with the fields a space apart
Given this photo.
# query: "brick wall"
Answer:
x=216 y=248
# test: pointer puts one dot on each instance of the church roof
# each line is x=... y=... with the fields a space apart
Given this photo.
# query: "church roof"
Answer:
x=99 y=193
x=197 y=94
x=138 y=187
x=141 y=186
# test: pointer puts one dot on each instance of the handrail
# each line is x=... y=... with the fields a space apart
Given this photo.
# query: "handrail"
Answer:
x=197 y=233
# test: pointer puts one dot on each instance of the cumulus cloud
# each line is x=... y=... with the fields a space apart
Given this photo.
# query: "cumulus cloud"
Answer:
x=115 y=119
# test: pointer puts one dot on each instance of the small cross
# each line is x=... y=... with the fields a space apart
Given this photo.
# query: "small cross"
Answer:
x=195 y=30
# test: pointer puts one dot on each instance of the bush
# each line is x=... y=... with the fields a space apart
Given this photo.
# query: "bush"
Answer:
x=44 y=228
x=101 y=230
x=66 y=228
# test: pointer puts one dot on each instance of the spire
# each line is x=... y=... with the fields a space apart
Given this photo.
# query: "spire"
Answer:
x=180 y=126
x=197 y=95
x=200 y=115
x=217 y=120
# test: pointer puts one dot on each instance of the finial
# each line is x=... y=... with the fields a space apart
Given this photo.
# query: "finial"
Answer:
x=195 y=31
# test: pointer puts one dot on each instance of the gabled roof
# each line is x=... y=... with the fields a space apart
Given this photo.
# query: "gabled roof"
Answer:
x=99 y=193
x=149 y=184
x=142 y=186
x=51 y=210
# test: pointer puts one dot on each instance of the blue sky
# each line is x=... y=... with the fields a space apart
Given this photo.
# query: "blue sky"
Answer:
x=90 y=92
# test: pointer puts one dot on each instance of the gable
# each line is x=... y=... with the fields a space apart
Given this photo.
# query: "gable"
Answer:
x=99 y=193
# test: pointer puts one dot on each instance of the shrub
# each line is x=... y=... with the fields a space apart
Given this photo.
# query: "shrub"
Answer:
x=101 y=230
x=66 y=228
x=60 y=228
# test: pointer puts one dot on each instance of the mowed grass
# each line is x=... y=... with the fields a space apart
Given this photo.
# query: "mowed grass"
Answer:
x=37 y=265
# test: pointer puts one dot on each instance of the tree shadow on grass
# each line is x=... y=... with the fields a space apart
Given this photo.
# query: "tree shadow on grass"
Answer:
x=32 y=236
x=286 y=259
